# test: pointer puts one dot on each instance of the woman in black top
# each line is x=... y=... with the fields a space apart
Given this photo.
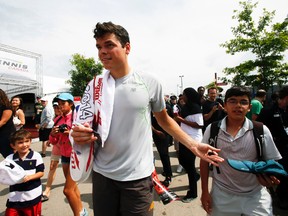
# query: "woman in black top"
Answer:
x=192 y=119
x=6 y=124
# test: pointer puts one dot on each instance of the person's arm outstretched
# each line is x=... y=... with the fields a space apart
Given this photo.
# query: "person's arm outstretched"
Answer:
x=199 y=149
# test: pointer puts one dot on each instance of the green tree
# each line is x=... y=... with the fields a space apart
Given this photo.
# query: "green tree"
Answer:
x=267 y=42
x=84 y=69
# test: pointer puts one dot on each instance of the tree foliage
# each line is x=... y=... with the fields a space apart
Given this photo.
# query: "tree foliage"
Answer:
x=84 y=69
x=213 y=84
x=267 y=43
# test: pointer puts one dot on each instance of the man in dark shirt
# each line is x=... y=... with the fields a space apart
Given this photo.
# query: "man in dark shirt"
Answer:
x=212 y=109
x=161 y=140
x=201 y=91
x=38 y=108
x=276 y=119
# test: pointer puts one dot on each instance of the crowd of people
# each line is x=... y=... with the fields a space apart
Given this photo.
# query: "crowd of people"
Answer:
x=54 y=125
x=234 y=116
x=129 y=112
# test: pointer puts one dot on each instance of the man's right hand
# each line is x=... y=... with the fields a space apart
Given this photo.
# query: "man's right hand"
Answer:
x=82 y=134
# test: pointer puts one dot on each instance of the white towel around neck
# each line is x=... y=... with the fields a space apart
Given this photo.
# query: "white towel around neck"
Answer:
x=104 y=90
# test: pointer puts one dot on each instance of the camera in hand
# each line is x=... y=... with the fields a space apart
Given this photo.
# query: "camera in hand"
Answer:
x=62 y=128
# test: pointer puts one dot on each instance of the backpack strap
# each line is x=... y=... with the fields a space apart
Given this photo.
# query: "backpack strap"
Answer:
x=214 y=130
x=258 y=133
x=56 y=122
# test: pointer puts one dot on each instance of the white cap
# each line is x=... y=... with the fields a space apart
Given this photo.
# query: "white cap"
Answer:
x=10 y=172
x=45 y=98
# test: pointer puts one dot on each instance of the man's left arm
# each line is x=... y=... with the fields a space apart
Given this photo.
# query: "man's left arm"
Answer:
x=199 y=149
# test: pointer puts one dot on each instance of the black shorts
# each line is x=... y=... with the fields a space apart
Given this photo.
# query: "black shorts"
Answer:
x=37 y=119
x=44 y=134
x=130 y=198
x=65 y=160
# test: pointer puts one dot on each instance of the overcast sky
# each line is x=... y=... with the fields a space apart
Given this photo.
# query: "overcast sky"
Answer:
x=170 y=38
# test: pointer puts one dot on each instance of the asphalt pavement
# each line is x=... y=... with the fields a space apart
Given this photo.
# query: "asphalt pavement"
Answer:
x=57 y=205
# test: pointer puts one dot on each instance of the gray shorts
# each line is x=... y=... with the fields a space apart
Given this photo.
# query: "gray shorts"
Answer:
x=226 y=204
x=130 y=198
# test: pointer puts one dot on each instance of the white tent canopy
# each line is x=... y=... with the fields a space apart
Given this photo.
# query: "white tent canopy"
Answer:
x=52 y=85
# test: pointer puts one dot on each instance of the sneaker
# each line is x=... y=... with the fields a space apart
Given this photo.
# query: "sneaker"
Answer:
x=167 y=181
x=43 y=155
x=179 y=169
x=187 y=199
x=84 y=212
x=44 y=198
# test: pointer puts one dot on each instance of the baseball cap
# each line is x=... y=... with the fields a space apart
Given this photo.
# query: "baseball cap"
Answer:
x=45 y=98
x=65 y=97
x=55 y=104
x=10 y=172
x=269 y=167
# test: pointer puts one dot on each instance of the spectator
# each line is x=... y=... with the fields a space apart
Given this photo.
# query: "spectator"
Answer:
x=54 y=159
x=18 y=113
x=234 y=192
x=46 y=124
x=173 y=100
x=276 y=119
x=176 y=112
x=257 y=104
x=161 y=140
x=38 y=108
x=6 y=124
x=275 y=97
x=191 y=121
x=169 y=109
x=59 y=135
x=25 y=198
x=201 y=91
x=212 y=109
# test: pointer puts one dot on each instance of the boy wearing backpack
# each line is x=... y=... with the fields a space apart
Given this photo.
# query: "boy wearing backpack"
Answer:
x=234 y=192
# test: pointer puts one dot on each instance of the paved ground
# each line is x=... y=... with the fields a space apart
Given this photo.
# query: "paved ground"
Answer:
x=58 y=205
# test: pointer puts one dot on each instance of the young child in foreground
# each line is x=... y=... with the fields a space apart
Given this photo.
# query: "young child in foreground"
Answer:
x=25 y=198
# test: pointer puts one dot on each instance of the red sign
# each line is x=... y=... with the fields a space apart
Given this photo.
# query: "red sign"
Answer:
x=221 y=84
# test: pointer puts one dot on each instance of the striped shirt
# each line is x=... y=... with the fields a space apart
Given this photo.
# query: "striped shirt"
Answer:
x=29 y=193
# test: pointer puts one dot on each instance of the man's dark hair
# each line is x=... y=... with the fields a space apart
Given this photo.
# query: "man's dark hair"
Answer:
x=283 y=92
x=200 y=87
x=275 y=96
x=260 y=93
x=173 y=97
x=104 y=28
x=238 y=91
x=19 y=135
